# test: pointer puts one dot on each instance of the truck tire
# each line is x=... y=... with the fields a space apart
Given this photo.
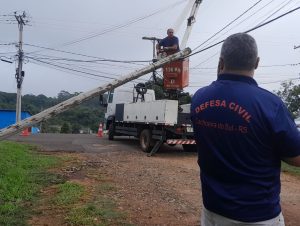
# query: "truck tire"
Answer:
x=189 y=147
x=111 y=131
x=146 y=140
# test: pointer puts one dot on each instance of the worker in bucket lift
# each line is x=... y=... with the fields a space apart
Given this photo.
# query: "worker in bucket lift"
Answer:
x=242 y=133
x=168 y=45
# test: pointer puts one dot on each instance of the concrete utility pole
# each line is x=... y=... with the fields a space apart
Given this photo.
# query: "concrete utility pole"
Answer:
x=19 y=73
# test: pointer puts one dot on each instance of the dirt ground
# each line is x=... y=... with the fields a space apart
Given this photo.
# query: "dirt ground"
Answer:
x=159 y=190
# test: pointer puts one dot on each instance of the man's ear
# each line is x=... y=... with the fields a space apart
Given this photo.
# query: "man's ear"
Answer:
x=257 y=62
x=220 y=65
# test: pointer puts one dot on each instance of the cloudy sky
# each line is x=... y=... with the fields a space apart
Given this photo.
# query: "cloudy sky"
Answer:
x=66 y=41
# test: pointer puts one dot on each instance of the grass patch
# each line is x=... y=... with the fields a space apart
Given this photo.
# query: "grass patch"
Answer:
x=69 y=193
x=101 y=211
x=290 y=169
x=22 y=175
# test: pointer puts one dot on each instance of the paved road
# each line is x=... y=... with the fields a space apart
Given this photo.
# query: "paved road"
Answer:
x=88 y=143
x=77 y=142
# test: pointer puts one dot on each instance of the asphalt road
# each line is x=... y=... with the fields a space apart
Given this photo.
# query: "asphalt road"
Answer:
x=88 y=143
x=77 y=142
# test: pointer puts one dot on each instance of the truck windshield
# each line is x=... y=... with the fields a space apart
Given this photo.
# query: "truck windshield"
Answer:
x=111 y=97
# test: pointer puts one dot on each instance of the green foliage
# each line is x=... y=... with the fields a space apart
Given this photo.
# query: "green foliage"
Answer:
x=65 y=128
x=184 y=97
x=22 y=174
x=87 y=115
x=290 y=94
x=69 y=193
x=100 y=212
x=290 y=169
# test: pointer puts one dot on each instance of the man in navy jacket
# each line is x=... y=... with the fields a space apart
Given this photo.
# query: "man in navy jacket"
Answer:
x=169 y=44
x=242 y=133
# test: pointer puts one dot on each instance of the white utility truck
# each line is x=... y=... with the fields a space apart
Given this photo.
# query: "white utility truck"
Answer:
x=135 y=112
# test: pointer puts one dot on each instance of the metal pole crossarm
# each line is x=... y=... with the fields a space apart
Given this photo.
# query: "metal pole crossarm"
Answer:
x=74 y=101
x=151 y=38
x=7 y=61
x=296 y=47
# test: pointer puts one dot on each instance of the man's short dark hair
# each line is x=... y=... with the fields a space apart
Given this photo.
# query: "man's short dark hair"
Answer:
x=239 y=52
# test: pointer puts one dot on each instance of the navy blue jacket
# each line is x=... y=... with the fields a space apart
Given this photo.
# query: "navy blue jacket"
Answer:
x=242 y=133
x=168 y=42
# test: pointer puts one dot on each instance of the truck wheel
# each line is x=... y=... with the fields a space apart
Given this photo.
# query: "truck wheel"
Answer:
x=111 y=131
x=146 y=140
x=189 y=147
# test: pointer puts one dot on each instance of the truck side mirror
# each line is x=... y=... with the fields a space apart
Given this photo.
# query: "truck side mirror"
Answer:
x=102 y=102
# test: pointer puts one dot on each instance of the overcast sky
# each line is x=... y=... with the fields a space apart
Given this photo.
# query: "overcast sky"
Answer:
x=114 y=30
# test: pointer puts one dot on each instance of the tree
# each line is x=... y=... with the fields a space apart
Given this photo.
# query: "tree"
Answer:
x=65 y=128
x=184 y=97
x=290 y=94
x=76 y=128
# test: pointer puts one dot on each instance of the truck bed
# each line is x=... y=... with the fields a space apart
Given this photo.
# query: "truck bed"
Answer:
x=154 y=112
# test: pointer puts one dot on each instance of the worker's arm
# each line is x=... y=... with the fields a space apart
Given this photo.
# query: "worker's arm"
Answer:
x=173 y=47
x=295 y=161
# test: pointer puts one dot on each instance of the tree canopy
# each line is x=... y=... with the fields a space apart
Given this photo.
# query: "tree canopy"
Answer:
x=290 y=94
x=83 y=117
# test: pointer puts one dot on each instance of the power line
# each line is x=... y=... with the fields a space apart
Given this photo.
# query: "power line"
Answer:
x=291 y=79
x=228 y=24
x=80 y=73
x=124 y=24
x=252 y=29
x=288 y=2
x=71 y=69
x=272 y=65
x=84 y=55
x=95 y=62
x=247 y=18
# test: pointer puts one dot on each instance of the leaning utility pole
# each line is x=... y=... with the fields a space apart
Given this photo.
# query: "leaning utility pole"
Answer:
x=74 y=101
x=19 y=73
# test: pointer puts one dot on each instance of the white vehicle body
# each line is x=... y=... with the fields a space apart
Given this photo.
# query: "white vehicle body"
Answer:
x=160 y=121
x=124 y=95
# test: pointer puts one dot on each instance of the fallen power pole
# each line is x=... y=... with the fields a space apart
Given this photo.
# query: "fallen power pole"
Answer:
x=74 y=101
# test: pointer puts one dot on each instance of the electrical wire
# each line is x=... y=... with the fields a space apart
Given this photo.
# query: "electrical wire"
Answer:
x=80 y=73
x=79 y=54
x=252 y=29
x=227 y=25
x=288 y=2
x=259 y=66
x=236 y=25
x=115 y=76
x=92 y=62
x=88 y=69
x=70 y=69
x=291 y=79
x=124 y=24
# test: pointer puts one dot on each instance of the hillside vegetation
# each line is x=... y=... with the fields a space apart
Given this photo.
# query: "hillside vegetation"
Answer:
x=85 y=117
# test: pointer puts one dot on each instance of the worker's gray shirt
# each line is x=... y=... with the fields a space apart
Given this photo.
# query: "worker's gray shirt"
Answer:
x=209 y=218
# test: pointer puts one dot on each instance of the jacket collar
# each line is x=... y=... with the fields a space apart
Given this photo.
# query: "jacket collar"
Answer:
x=236 y=77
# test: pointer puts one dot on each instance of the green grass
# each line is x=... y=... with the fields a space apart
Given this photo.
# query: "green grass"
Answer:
x=22 y=175
x=290 y=169
x=69 y=193
x=101 y=211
